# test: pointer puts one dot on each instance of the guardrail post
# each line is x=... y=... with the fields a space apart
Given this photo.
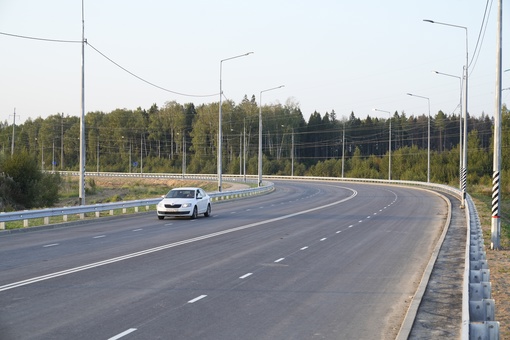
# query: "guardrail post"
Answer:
x=46 y=220
x=2 y=225
x=481 y=311
x=484 y=330
x=25 y=223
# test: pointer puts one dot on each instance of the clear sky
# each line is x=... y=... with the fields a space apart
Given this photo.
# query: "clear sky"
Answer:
x=346 y=56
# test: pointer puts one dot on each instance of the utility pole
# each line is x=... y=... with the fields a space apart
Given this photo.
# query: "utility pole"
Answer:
x=62 y=143
x=13 y=126
x=82 y=117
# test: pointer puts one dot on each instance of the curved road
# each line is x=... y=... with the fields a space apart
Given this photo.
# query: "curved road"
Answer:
x=312 y=260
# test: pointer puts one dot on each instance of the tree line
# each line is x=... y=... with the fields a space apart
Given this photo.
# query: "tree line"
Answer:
x=179 y=138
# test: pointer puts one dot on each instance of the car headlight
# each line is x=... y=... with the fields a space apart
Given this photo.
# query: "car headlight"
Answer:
x=160 y=204
x=186 y=205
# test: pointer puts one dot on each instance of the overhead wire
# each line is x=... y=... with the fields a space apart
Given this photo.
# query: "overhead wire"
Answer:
x=481 y=34
x=110 y=60
x=146 y=81
x=39 y=39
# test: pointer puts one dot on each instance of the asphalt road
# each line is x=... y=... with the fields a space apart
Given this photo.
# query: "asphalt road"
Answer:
x=309 y=261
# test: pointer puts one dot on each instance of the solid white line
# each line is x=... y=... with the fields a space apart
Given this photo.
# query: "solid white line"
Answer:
x=304 y=248
x=280 y=260
x=166 y=246
x=120 y=335
x=100 y=236
x=323 y=239
x=197 y=298
x=245 y=276
x=50 y=245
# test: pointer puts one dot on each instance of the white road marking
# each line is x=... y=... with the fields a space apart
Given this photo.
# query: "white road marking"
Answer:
x=304 y=248
x=166 y=246
x=120 y=335
x=137 y=229
x=279 y=260
x=100 y=236
x=197 y=298
x=245 y=276
x=338 y=232
x=233 y=212
x=323 y=239
x=351 y=226
x=50 y=245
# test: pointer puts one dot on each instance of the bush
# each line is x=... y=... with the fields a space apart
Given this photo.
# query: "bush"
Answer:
x=24 y=186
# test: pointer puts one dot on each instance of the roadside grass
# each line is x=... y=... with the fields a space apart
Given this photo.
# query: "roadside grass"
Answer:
x=482 y=196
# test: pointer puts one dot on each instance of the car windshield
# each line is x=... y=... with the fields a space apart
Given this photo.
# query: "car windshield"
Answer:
x=181 y=194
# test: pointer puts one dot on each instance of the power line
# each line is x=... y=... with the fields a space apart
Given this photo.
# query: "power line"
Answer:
x=146 y=81
x=110 y=60
x=40 y=39
x=481 y=34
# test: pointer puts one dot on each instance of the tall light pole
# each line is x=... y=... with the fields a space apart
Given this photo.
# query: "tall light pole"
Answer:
x=260 y=132
x=389 y=146
x=428 y=143
x=460 y=124
x=464 y=108
x=219 y=119
x=496 y=165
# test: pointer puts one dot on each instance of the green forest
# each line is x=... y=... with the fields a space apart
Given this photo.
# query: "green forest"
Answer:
x=184 y=137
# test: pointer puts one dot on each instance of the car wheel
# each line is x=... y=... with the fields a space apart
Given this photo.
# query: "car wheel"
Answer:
x=161 y=217
x=195 y=213
x=208 y=211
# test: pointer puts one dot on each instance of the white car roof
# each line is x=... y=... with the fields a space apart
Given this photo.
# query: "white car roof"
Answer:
x=186 y=188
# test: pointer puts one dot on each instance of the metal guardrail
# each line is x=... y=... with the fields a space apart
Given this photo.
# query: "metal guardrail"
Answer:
x=46 y=214
x=478 y=308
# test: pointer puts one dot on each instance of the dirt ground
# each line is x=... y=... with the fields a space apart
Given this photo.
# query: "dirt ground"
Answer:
x=499 y=265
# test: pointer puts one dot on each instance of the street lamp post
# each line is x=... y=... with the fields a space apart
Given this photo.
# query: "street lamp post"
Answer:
x=260 y=133
x=460 y=124
x=496 y=165
x=389 y=148
x=464 y=108
x=428 y=142
x=219 y=119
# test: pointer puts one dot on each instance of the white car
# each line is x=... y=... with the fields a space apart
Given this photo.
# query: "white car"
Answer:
x=184 y=202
